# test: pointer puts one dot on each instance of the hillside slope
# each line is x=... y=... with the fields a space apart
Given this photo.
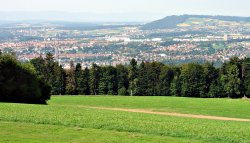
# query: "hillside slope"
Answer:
x=172 y=21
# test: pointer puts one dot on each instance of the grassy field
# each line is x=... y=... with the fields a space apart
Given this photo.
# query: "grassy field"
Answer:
x=217 y=107
x=33 y=133
x=66 y=120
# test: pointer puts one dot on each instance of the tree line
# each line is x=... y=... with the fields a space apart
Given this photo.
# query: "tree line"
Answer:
x=231 y=80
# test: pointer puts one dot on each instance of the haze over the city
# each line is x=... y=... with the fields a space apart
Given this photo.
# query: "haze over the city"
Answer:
x=116 y=10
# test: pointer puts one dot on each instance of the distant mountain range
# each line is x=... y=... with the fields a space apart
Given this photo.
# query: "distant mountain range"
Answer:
x=173 y=21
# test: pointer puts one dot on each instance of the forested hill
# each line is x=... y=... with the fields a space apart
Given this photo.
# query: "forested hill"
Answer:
x=172 y=21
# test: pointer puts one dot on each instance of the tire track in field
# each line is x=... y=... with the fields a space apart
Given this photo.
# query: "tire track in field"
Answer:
x=170 y=114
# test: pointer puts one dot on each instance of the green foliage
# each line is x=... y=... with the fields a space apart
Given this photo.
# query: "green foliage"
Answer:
x=103 y=85
x=94 y=79
x=70 y=80
x=231 y=82
x=79 y=79
x=153 y=70
x=122 y=78
x=51 y=72
x=142 y=86
x=108 y=81
x=148 y=79
x=215 y=90
x=175 y=86
x=192 y=80
x=123 y=91
x=231 y=78
x=132 y=76
x=211 y=75
x=82 y=80
x=19 y=82
x=246 y=77
x=166 y=78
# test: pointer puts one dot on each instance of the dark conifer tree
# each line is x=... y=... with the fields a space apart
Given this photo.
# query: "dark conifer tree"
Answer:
x=103 y=84
x=153 y=72
x=246 y=77
x=95 y=72
x=79 y=79
x=175 y=86
x=211 y=75
x=192 y=80
x=112 y=80
x=70 y=80
x=86 y=80
x=142 y=84
x=165 y=80
x=122 y=80
x=132 y=76
x=49 y=68
x=58 y=86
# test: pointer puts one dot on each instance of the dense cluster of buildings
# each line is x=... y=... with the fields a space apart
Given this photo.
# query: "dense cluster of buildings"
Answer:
x=120 y=45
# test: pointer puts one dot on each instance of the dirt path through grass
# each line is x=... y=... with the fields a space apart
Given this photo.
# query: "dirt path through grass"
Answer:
x=170 y=114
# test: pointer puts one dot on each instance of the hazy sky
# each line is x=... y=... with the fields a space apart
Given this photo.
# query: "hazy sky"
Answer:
x=155 y=8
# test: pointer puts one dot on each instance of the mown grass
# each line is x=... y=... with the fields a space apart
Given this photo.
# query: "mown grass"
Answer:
x=236 y=108
x=35 y=133
x=64 y=112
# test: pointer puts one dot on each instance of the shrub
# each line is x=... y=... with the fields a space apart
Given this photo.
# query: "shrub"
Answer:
x=123 y=91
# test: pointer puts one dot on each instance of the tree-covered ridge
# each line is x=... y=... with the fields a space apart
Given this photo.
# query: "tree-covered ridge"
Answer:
x=148 y=79
x=172 y=21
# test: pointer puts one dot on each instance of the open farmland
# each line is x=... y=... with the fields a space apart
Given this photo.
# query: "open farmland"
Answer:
x=77 y=119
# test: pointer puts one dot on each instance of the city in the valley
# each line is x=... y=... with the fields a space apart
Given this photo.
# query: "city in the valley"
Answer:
x=172 y=40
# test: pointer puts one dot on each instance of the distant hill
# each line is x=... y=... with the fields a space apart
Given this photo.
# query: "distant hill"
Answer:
x=172 y=21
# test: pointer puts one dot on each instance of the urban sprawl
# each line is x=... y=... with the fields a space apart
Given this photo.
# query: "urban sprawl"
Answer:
x=112 y=45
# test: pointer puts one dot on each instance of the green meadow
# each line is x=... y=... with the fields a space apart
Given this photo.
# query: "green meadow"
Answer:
x=66 y=119
x=236 y=108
